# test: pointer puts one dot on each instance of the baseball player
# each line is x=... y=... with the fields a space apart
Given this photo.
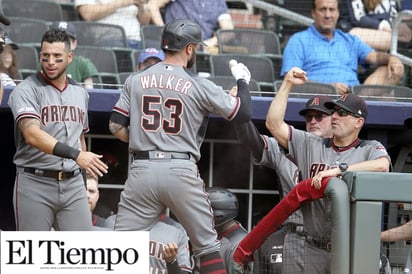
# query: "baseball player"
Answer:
x=225 y=209
x=50 y=113
x=93 y=195
x=318 y=160
x=266 y=151
x=165 y=110
x=168 y=234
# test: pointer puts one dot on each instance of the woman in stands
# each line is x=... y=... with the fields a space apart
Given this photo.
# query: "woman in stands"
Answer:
x=371 y=20
x=8 y=64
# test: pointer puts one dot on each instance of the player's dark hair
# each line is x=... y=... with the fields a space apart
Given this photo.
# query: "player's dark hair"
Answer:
x=55 y=36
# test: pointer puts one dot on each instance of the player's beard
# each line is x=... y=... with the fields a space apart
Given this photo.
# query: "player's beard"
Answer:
x=192 y=60
x=53 y=78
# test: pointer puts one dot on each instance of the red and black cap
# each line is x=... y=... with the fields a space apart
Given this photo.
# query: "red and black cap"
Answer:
x=352 y=103
x=317 y=103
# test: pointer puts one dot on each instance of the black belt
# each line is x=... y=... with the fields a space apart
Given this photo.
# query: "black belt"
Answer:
x=55 y=174
x=319 y=243
x=295 y=228
x=159 y=155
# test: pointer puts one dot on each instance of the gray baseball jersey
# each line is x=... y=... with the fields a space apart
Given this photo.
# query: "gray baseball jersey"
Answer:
x=63 y=114
x=160 y=235
x=313 y=155
x=293 y=244
x=168 y=109
x=42 y=202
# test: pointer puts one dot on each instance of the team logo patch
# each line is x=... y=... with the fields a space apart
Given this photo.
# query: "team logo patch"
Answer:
x=25 y=109
x=380 y=148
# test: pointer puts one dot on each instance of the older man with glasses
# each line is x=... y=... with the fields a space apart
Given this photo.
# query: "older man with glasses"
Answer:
x=267 y=152
x=318 y=159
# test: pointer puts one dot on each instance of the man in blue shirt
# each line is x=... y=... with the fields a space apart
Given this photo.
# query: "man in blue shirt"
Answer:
x=329 y=55
x=210 y=15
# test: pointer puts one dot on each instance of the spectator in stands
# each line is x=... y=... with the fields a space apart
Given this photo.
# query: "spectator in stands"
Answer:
x=371 y=21
x=3 y=35
x=406 y=5
x=209 y=14
x=129 y=14
x=8 y=64
x=81 y=68
x=330 y=55
x=148 y=57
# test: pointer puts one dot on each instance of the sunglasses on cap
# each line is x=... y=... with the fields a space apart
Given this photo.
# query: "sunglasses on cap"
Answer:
x=318 y=117
x=343 y=112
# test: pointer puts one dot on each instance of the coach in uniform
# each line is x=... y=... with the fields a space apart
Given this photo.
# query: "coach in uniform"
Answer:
x=165 y=110
x=318 y=160
x=266 y=151
x=50 y=113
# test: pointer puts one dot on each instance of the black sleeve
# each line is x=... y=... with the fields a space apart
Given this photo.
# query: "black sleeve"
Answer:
x=119 y=119
x=174 y=268
x=249 y=136
x=245 y=110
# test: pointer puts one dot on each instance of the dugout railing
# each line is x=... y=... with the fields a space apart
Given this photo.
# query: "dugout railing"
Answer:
x=356 y=216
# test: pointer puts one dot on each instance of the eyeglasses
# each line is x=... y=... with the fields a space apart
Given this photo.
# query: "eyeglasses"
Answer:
x=318 y=117
x=343 y=113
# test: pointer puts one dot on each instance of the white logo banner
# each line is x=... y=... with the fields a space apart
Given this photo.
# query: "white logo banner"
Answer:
x=85 y=252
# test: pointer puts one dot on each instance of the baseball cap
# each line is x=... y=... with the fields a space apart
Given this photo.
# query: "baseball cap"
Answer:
x=350 y=102
x=11 y=43
x=150 y=53
x=68 y=27
x=316 y=103
x=408 y=123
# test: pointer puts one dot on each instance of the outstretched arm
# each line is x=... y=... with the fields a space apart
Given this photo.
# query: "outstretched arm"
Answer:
x=276 y=114
x=249 y=136
x=399 y=233
x=43 y=141
x=303 y=192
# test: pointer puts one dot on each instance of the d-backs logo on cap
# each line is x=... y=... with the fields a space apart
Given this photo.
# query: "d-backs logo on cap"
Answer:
x=343 y=97
x=166 y=43
x=315 y=102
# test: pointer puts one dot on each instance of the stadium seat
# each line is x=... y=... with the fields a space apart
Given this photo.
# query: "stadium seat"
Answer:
x=252 y=42
x=123 y=76
x=42 y=10
x=124 y=57
x=105 y=61
x=383 y=92
x=100 y=35
x=27 y=30
x=69 y=12
x=151 y=36
x=28 y=59
x=309 y=89
x=260 y=67
x=248 y=41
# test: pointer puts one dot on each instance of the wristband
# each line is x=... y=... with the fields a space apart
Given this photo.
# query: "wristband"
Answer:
x=65 y=151
x=172 y=262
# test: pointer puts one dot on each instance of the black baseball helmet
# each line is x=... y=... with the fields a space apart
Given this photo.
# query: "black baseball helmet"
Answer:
x=224 y=203
x=177 y=34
